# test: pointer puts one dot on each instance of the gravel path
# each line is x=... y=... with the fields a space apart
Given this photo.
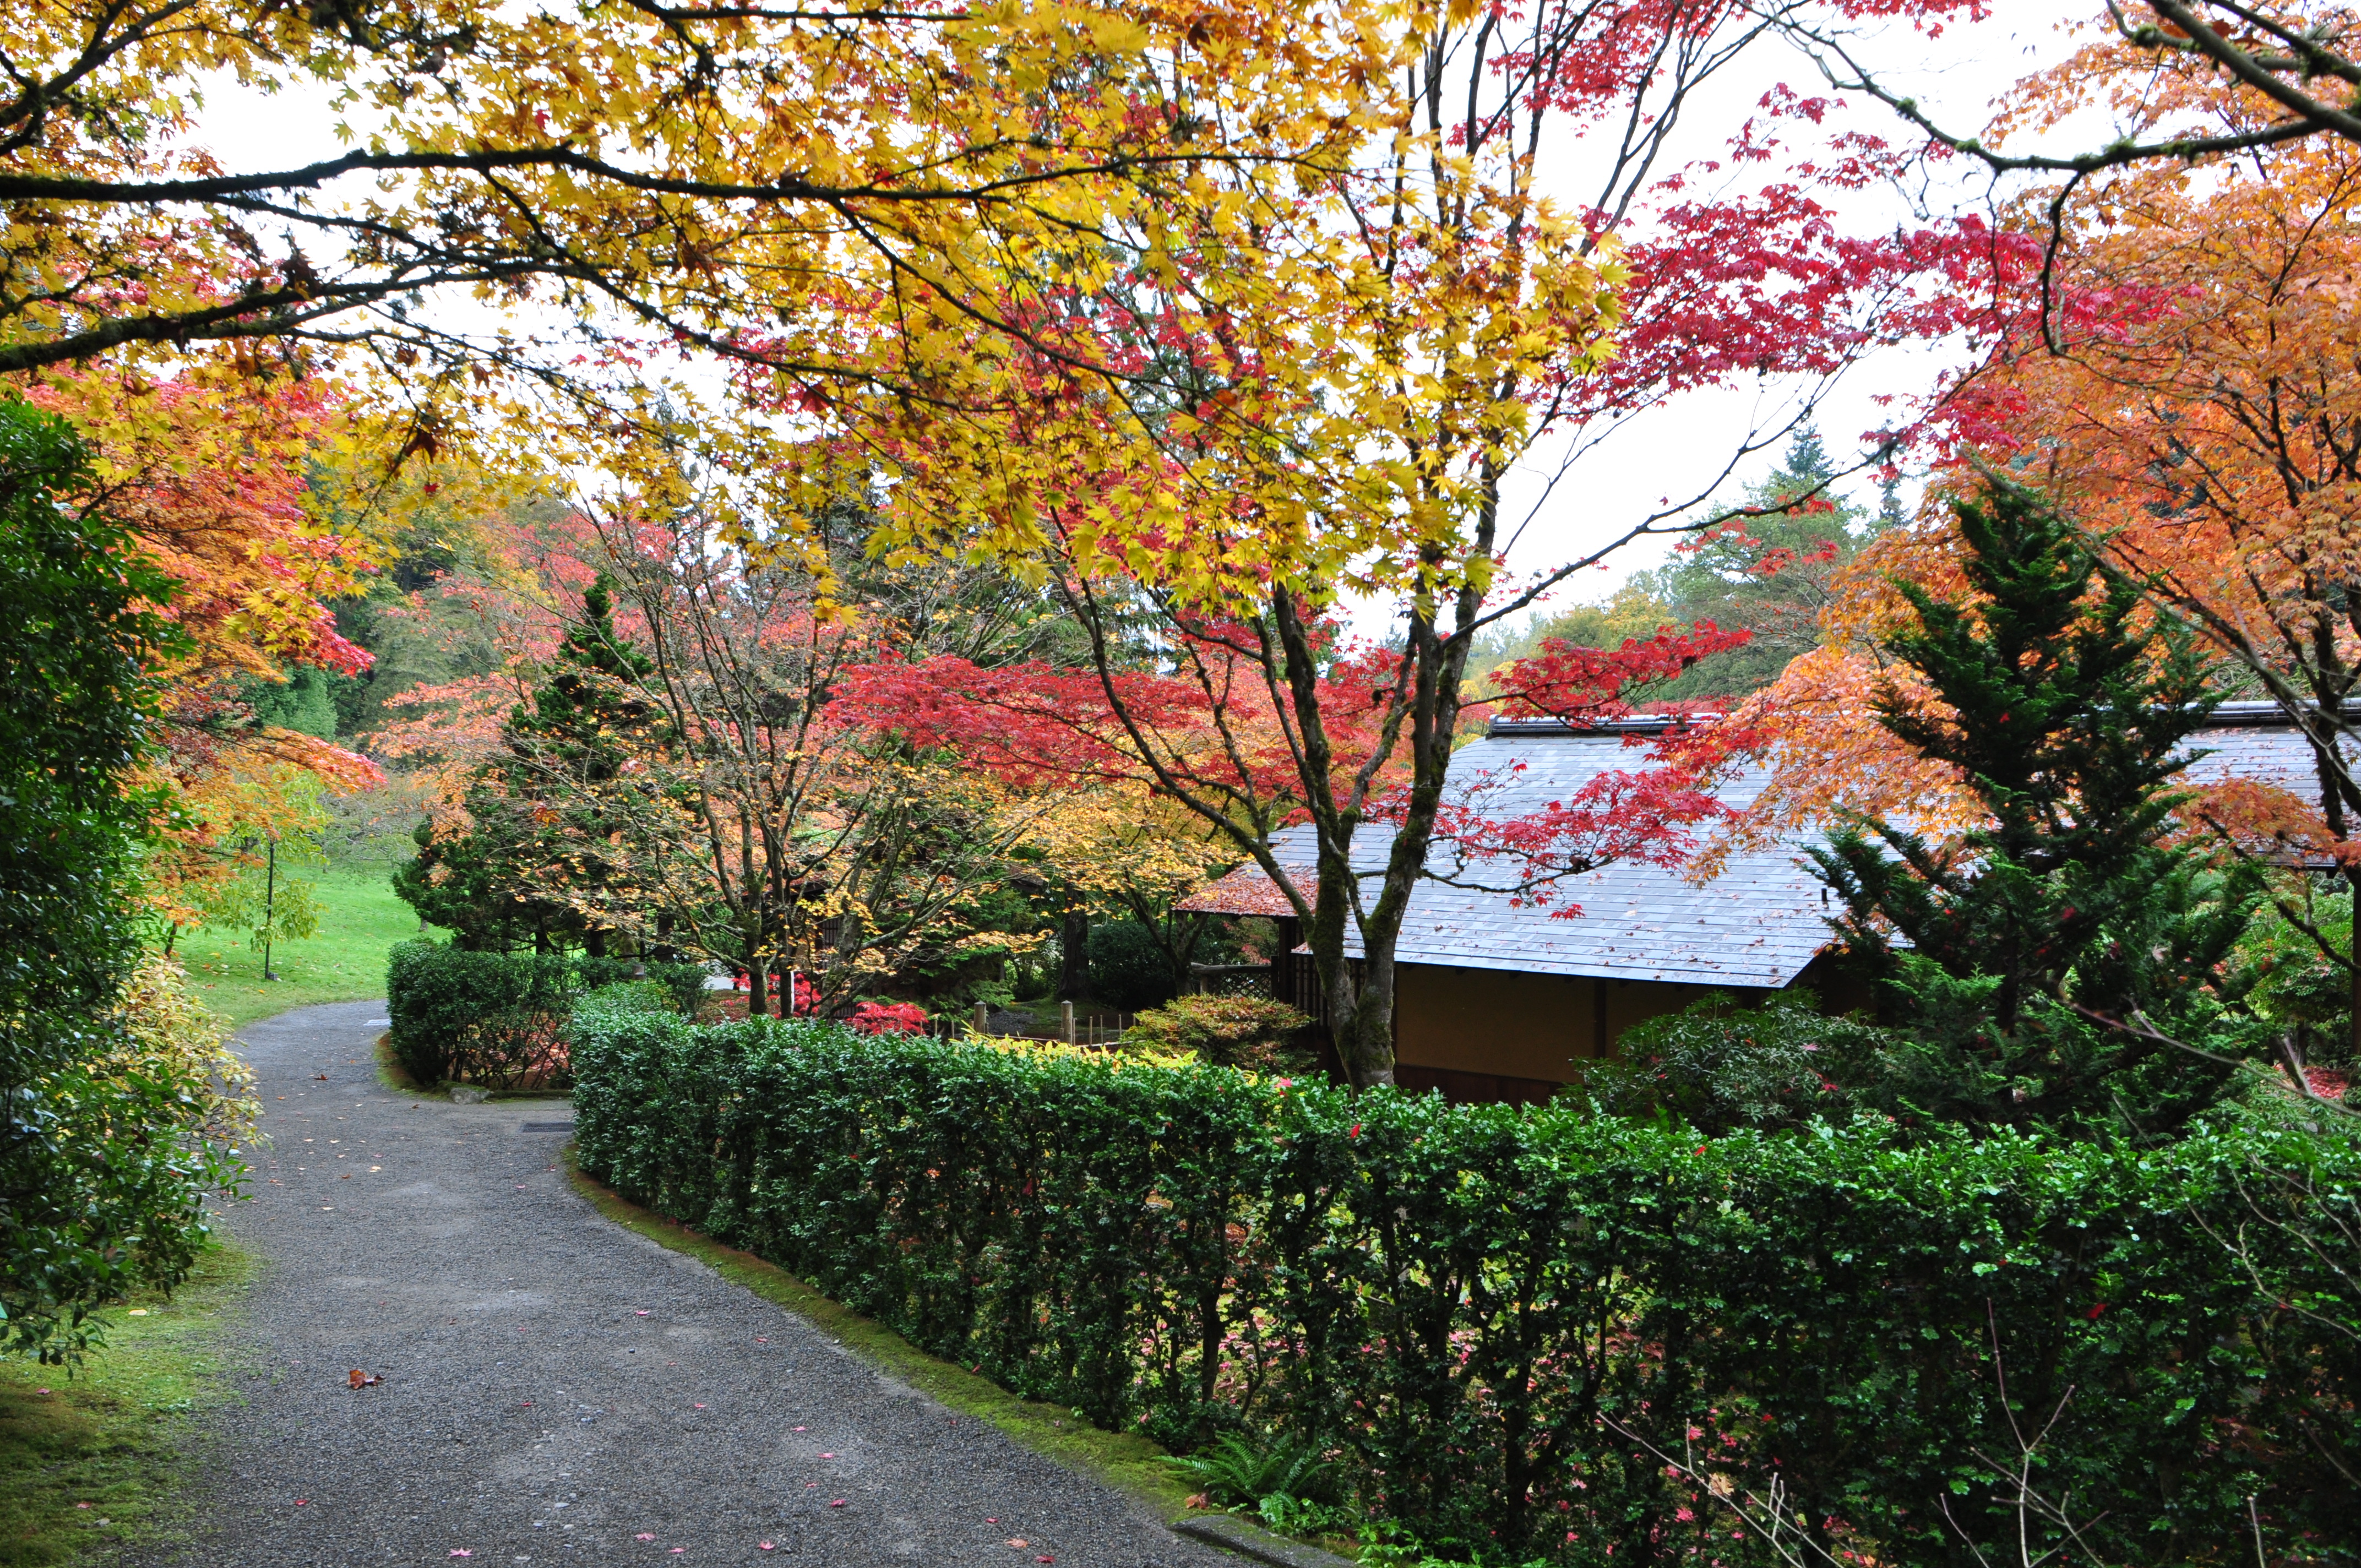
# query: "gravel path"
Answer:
x=558 y=1389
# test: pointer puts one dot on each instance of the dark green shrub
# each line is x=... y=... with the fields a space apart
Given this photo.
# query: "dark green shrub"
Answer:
x=1251 y=1032
x=2294 y=986
x=1485 y=1311
x=1719 y=1067
x=493 y=1018
x=1128 y=970
x=101 y=1181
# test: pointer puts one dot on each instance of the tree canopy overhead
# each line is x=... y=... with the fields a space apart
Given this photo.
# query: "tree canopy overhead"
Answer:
x=668 y=169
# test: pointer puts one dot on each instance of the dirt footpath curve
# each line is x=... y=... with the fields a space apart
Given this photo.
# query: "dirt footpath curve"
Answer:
x=556 y=1388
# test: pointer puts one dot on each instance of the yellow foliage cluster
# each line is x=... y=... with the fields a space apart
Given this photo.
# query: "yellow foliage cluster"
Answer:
x=167 y=1034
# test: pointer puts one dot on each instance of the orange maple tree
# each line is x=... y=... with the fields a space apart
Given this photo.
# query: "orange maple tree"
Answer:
x=208 y=470
x=2184 y=377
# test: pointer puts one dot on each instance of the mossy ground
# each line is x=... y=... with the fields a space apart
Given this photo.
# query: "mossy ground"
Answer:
x=1125 y=1460
x=116 y=1434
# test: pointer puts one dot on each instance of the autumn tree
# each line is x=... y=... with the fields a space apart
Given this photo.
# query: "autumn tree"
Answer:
x=626 y=170
x=2178 y=374
x=740 y=814
x=210 y=479
x=2274 y=76
x=1332 y=411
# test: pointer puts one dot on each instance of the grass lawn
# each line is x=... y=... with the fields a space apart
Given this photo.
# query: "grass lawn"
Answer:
x=114 y=1435
x=359 y=920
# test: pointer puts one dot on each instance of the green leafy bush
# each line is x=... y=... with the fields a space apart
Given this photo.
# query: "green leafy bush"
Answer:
x=1720 y=1067
x=494 y=1018
x=1489 y=1315
x=1228 y=1031
x=105 y=1139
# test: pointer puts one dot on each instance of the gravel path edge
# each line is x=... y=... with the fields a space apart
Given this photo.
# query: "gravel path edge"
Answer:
x=1126 y=1462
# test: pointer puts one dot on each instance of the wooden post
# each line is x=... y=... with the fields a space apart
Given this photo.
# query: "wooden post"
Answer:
x=270 y=906
x=980 y=1018
x=1066 y=1021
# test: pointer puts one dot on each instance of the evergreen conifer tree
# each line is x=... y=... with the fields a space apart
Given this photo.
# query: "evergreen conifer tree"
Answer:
x=543 y=812
x=2072 y=710
x=1770 y=575
x=1890 y=512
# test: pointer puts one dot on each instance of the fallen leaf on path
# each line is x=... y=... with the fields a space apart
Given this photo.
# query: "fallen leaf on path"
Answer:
x=360 y=1379
x=765 y=1546
x=461 y=1551
x=828 y=1456
x=301 y=1501
x=1020 y=1542
x=798 y=1429
x=645 y=1535
x=700 y=1407
x=1045 y=1560
x=837 y=1504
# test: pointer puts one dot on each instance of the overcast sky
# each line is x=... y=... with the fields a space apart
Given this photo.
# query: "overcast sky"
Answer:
x=1675 y=450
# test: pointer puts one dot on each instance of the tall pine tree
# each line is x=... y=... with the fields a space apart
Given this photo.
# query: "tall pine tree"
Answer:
x=2071 y=709
x=543 y=814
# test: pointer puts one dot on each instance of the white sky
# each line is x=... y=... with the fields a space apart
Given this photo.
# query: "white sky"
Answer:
x=1669 y=453
x=1672 y=451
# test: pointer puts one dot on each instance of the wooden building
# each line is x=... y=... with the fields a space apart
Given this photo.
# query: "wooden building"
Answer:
x=1499 y=996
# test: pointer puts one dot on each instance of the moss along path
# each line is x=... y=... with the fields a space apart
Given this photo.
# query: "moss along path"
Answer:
x=559 y=1389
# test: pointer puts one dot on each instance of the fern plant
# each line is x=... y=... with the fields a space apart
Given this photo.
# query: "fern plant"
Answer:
x=1236 y=1471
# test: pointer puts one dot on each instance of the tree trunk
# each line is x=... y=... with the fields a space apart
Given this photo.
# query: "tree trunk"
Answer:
x=1074 y=954
x=2353 y=954
x=758 y=979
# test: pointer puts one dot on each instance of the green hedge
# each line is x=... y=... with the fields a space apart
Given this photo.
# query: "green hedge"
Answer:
x=489 y=1017
x=1470 y=1303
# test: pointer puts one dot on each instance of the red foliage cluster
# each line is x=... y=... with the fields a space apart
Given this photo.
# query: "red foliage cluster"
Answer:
x=1585 y=686
x=888 y=1018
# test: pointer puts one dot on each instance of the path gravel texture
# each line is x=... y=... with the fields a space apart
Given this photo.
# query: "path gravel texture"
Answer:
x=556 y=1388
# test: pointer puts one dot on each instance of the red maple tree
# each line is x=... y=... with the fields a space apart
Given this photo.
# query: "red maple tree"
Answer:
x=1212 y=576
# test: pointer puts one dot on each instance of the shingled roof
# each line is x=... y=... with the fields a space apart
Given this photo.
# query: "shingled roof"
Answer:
x=1757 y=923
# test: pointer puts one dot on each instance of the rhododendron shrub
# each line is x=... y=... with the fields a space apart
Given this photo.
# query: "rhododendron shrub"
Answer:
x=111 y=1127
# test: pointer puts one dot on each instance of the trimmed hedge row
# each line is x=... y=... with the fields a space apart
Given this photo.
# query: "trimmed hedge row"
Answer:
x=1510 y=1322
x=493 y=1017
